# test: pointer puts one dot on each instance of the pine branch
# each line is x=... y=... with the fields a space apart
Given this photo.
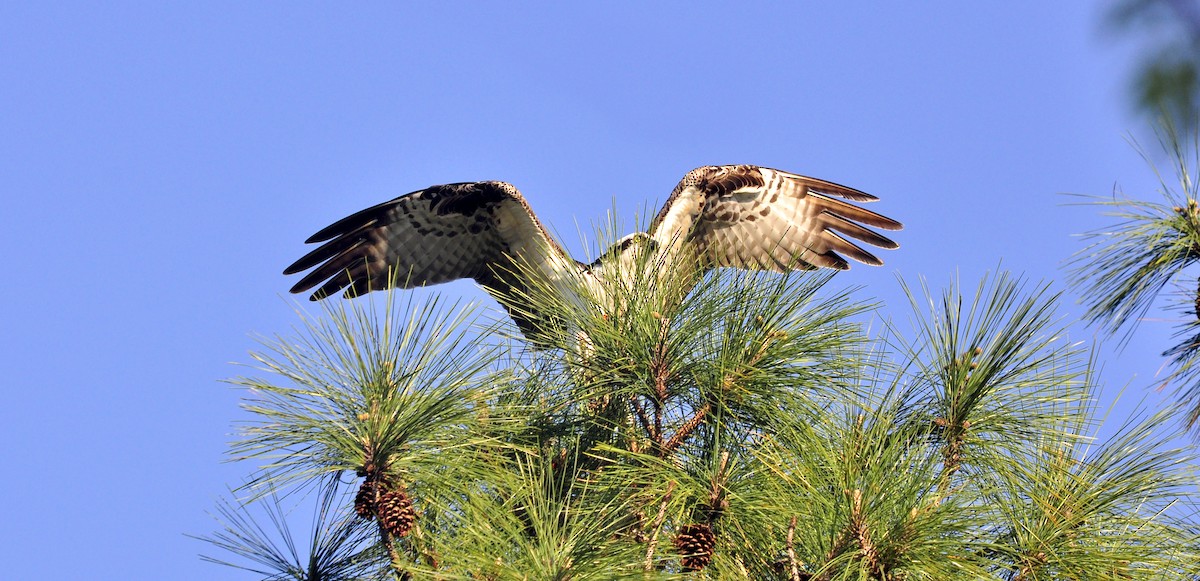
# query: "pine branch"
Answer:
x=657 y=526
x=686 y=429
x=394 y=559
x=862 y=533
x=660 y=370
x=794 y=564
x=640 y=411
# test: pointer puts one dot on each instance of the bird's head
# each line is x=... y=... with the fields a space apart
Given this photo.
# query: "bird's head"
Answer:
x=626 y=250
x=638 y=241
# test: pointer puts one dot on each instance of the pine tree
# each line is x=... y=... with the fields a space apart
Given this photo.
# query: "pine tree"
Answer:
x=1125 y=267
x=751 y=431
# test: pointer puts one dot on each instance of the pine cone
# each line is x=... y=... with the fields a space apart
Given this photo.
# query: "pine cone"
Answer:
x=695 y=544
x=396 y=512
x=364 y=501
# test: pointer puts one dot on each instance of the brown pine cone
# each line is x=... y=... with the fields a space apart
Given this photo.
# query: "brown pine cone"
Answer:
x=396 y=512
x=364 y=501
x=695 y=544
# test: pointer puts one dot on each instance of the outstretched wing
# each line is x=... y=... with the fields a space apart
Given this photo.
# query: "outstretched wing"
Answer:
x=759 y=218
x=478 y=230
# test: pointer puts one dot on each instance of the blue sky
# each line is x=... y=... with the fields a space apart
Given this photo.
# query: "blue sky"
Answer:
x=161 y=163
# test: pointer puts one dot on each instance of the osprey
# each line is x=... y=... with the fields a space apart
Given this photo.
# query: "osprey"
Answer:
x=741 y=216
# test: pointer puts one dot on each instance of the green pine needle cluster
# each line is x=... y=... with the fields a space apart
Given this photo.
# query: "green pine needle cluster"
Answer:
x=1126 y=267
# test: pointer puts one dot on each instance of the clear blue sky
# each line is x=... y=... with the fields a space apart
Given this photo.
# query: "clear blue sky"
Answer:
x=161 y=163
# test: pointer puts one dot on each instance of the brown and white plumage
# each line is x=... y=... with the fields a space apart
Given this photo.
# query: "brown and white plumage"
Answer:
x=759 y=218
x=740 y=216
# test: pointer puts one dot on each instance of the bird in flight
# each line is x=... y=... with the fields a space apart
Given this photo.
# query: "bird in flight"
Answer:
x=740 y=216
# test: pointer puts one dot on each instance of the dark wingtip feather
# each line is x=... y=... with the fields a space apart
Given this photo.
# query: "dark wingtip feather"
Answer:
x=298 y=266
x=837 y=262
x=847 y=193
x=299 y=288
x=890 y=224
x=847 y=211
x=358 y=220
x=849 y=228
x=830 y=188
x=844 y=246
